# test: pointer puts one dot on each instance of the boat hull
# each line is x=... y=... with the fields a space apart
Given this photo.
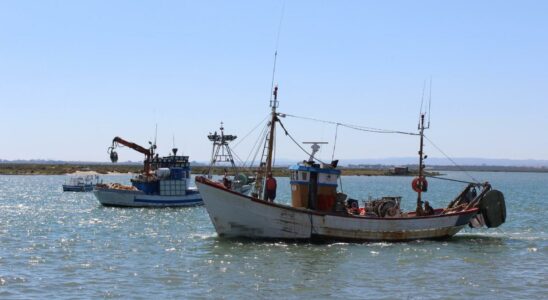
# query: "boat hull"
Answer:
x=237 y=215
x=78 y=188
x=125 y=198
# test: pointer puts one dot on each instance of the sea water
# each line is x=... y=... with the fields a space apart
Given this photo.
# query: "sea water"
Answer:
x=65 y=245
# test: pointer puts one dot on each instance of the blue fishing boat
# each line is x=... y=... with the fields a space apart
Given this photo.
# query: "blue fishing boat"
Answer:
x=164 y=182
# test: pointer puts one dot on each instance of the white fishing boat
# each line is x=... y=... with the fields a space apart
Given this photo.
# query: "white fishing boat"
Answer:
x=81 y=183
x=319 y=212
x=165 y=182
x=117 y=195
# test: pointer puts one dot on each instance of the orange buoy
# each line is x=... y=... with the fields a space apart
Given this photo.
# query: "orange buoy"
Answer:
x=419 y=184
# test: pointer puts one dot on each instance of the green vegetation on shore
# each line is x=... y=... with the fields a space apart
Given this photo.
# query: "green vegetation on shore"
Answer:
x=61 y=169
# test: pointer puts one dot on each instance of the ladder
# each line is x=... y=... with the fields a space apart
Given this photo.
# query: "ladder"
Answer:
x=261 y=170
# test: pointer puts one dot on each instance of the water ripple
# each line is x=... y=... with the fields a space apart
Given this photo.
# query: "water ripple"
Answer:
x=65 y=245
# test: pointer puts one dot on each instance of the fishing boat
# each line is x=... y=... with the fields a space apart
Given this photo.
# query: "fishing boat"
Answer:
x=81 y=183
x=319 y=212
x=164 y=182
x=222 y=153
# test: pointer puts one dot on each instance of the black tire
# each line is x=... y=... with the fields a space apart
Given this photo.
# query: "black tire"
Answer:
x=493 y=208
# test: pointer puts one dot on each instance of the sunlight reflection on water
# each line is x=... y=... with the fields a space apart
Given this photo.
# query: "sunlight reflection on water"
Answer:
x=65 y=245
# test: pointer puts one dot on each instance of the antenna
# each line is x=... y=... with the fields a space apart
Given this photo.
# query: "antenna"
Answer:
x=274 y=89
x=155 y=134
x=174 y=149
x=422 y=100
x=315 y=148
x=429 y=101
x=335 y=141
x=280 y=26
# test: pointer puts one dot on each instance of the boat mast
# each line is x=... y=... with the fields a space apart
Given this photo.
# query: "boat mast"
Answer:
x=422 y=157
x=273 y=105
x=421 y=160
x=260 y=181
x=271 y=135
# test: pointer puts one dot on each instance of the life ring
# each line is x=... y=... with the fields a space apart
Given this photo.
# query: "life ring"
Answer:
x=419 y=184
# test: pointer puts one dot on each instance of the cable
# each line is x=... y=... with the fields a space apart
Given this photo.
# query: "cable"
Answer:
x=297 y=143
x=335 y=142
x=262 y=136
x=451 y=160
x=455 y=180
x=351 y=126
x=274 y=151
x=252 y=130
x=430 y=101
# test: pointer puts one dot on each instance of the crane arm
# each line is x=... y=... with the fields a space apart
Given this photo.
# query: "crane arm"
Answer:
x=131 y=145
x=149 y=153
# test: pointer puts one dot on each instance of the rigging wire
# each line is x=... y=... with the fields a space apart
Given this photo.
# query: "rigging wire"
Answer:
x=257 y=147
x=351 y=126
x=253 y=147
x=335 y=142
x=252 y=130
x=235 y=155
x=429 y=101
x=450 y=159
x=242 y=163
x=297 y=143
x=455 y=180
x=274 y=151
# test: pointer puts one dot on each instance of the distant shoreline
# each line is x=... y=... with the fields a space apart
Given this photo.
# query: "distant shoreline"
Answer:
x=104 y=169
x=111 y=169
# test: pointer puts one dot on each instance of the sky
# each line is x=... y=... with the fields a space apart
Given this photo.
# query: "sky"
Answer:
x=75 y=74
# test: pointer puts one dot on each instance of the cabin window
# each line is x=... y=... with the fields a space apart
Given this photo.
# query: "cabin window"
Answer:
x=294 y=175
x=304 y=176
x=328 y=178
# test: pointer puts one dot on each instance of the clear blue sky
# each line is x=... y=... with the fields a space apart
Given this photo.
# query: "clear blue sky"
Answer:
x=74 y=74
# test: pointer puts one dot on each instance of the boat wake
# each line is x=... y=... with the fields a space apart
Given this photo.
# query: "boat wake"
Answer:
x=203 y=236
x=520 y=236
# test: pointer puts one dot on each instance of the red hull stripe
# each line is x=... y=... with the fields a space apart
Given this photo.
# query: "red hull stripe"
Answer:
x=212 y=184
